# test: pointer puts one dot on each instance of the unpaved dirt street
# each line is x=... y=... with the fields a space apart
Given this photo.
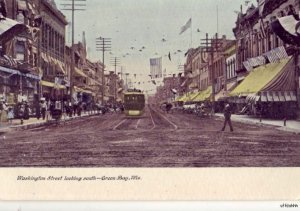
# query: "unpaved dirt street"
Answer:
x=155 y=140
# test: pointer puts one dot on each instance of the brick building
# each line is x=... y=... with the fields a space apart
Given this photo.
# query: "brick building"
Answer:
x=265 y=63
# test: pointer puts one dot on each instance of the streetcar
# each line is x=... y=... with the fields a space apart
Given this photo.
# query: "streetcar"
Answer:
x=134 y=103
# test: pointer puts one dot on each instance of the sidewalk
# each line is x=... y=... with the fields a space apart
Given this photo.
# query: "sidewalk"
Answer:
x=291 y=125
x=34 y=122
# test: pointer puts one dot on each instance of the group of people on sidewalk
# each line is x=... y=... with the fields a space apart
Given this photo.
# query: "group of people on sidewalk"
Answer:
x=9 y=112
x=6 y=112
x=48 y=109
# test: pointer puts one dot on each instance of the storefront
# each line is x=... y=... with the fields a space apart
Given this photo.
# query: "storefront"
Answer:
x=269 y=90
x=53 y=91
x=14 y=83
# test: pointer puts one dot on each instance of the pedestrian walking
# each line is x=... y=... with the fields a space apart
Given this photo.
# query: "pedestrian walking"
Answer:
x=37 y=110
x=21 y=112
x=4 y=112
x=227 y=115
x=168 y=107
x=79 y=109
x=10 y=115
x=27 y=111
x=43 y=106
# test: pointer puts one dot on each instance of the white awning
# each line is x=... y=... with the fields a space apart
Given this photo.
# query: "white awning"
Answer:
x=10 y=28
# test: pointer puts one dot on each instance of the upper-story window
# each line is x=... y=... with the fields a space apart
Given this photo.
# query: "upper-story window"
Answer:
x=21 y=17
x=20 y=50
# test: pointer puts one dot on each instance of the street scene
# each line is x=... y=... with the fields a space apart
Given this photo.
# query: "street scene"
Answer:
x=86 y=83
x=155 y=140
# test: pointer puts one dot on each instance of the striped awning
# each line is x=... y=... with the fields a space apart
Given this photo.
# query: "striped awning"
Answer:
x=272 y=96
x=270 y=77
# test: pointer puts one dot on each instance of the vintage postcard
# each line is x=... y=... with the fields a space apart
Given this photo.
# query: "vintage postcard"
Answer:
x=149 y=100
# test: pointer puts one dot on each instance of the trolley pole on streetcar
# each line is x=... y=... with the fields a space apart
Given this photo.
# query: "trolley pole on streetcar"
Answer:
x=103 y=45
x=115 y=62
x=75 y=6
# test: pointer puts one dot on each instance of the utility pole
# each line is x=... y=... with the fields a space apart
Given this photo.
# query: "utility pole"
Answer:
x=71 y=7
x=104 y=45
x=212 y=46
x=115 y=62
x=39 y=85
x=126 y=75
x=121 y=72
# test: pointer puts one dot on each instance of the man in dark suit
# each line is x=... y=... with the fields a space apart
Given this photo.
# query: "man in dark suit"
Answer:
x=227 y=115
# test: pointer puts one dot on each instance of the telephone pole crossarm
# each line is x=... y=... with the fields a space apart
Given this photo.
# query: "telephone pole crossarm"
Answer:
x=103 y=45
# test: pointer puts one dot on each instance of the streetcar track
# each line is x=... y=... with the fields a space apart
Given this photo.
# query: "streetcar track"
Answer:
x=137 y=124
x=120 y=123
x=162 y=116
x=152 y=119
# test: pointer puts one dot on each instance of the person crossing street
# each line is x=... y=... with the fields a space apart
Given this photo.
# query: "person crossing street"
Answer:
x=227 y=115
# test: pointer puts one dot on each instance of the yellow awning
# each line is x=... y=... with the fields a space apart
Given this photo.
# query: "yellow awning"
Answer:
x=224 y=94
x=180 y=98
x=80 y=72
x=78 y=89
x=203 y=95
x=50 y=84
x=190 y=97
x=259 y=77
x=47 y=83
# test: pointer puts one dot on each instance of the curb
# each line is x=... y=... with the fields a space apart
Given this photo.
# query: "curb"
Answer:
x=48 y=123
x=277 y=127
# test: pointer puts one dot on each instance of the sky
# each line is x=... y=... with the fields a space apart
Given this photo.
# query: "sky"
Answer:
x=143 y=24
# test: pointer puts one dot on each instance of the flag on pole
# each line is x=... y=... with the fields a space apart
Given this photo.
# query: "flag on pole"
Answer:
x=156 y=67
x=169 y=55
x=186 y=26
x=262 y=29
x=261 y=5
x=247 y=65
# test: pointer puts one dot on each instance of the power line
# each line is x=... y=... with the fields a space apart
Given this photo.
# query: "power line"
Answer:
x=104 y=45
x=115 y=62
x=74 y=7
x=212 y=46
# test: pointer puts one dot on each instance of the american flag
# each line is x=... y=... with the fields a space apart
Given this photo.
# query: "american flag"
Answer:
x=261 y=5
x=156 y=67
x=252 y=61
x=276 y=54
x=186 y=26
x=281 y=52
x=271 y=57
x=261 y=60
x=247 y=65
x=262 y=29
